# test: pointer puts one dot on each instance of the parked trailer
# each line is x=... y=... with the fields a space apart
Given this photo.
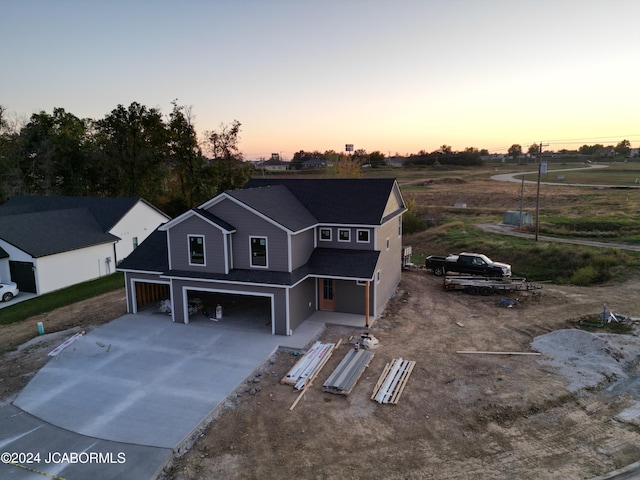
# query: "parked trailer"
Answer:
x=475 y=285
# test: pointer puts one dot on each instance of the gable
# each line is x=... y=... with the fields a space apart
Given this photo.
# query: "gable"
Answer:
x=338 y=201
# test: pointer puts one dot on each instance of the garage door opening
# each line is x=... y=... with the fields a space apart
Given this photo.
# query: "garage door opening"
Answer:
x=236 y=310
x=149 y=295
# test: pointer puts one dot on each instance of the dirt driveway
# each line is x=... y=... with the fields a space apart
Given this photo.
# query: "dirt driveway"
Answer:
x=460 y=416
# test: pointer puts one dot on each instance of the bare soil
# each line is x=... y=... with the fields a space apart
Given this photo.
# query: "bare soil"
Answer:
x=460 y=416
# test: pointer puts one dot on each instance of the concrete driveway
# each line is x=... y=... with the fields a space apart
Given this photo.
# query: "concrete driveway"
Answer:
x=139 y=387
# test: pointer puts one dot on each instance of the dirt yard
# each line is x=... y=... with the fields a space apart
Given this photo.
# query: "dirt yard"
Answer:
x=460 y=416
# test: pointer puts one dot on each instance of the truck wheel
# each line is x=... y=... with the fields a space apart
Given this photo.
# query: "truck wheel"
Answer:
x=439 y=270
x=473 y=290
x=486 y=291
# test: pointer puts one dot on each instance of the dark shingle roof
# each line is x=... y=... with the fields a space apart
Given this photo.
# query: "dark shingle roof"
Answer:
x=330 y=200
x=46 y=233
x=279 y=204
x=215 y=219
x=106 y=210
x=150 y=256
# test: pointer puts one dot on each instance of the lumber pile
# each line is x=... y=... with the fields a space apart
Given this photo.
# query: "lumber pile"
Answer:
x=391 y=383
x=306 y=369
x=344 y=377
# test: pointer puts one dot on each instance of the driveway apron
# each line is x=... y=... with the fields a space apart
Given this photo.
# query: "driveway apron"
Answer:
x=140 y=380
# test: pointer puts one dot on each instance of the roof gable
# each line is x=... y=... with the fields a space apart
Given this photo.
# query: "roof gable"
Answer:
x=341 y=201
x=205 y=215
x=278 y=204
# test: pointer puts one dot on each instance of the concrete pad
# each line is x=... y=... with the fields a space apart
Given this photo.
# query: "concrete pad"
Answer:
x=96 y=459
x=144 y=380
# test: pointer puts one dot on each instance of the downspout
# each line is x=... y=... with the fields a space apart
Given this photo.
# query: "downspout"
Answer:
x=366 y=305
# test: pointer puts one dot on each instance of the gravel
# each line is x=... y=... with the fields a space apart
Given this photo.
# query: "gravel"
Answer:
x=587 y=359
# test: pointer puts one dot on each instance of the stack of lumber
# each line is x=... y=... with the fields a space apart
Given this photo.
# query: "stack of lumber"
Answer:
x=347 y=373
x=392 y=381
x=305 y=370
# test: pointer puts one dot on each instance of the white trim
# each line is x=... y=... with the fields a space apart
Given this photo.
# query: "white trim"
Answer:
x=169 y=249
x=188 y=214
x=223 y=196
x=204 y=250
x=185 y=299
x=289 y=254
x=225 y=251
x=287 y=315
x=344 y=230
x=266 y=252
x=134 y=299
x=325 y=239
x=368 y=240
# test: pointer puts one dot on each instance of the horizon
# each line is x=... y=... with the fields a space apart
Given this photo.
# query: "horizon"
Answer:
x=395 y=78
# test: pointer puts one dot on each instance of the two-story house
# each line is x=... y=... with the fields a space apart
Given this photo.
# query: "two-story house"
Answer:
x=300 y=244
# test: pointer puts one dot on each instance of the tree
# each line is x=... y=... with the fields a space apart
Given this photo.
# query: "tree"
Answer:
x=623 y=148
x=515 y=150
x=377 y=159
x=185 y=160
x=134 y=143
x=534 y=149
x=226 y=171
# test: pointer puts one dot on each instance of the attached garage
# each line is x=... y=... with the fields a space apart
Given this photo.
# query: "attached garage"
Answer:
x=238 y=309
x=150 y=293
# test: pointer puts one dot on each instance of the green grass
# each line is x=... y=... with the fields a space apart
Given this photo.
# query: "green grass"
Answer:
x=619 y=174
x=60 y=298
x=537 y=261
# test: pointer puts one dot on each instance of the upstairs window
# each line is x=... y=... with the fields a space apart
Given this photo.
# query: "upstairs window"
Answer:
x=196 y=250
x=325 y=234
x=344 y=235
x=258 y=251
x=363 y=236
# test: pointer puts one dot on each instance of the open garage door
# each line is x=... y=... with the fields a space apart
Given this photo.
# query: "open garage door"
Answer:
x=22 y=274
x=231 y=309
x=149 y=294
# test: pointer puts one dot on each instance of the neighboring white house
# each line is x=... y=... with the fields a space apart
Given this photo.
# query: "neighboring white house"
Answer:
x=51 y=242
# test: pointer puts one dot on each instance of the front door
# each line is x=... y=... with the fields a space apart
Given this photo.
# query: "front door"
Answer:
x=327 y=294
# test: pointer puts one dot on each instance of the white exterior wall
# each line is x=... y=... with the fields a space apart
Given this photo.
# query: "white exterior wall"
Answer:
x=5 y=273
x=15 y=254
x=139 y=222
x=68 y=268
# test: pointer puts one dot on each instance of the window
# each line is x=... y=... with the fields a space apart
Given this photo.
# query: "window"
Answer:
x=258 y=251
x=325 y=234
x=344 y=235
x=196 y=250
x=388 y=244
x=135 y=242
x=363 y=236
x=400 y=225
x=378 y=276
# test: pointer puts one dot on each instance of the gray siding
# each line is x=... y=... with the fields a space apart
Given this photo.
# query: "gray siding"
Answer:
x=352 y=244
x=350 y=297
x=213 y=242
x=389 y=263
x=248 y=224
x=302 y=300
x=301 y=248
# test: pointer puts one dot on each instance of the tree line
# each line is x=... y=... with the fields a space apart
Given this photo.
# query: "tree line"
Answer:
x=132 y=151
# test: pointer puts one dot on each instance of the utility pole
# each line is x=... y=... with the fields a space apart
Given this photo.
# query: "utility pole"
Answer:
x=540 y=170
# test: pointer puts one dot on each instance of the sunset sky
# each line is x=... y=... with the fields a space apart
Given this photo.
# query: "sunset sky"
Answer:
x=395 y=76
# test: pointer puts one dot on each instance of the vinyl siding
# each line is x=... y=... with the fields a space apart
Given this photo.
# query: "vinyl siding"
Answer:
x=213 y=242
x=389 y=263
x=248 y=224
